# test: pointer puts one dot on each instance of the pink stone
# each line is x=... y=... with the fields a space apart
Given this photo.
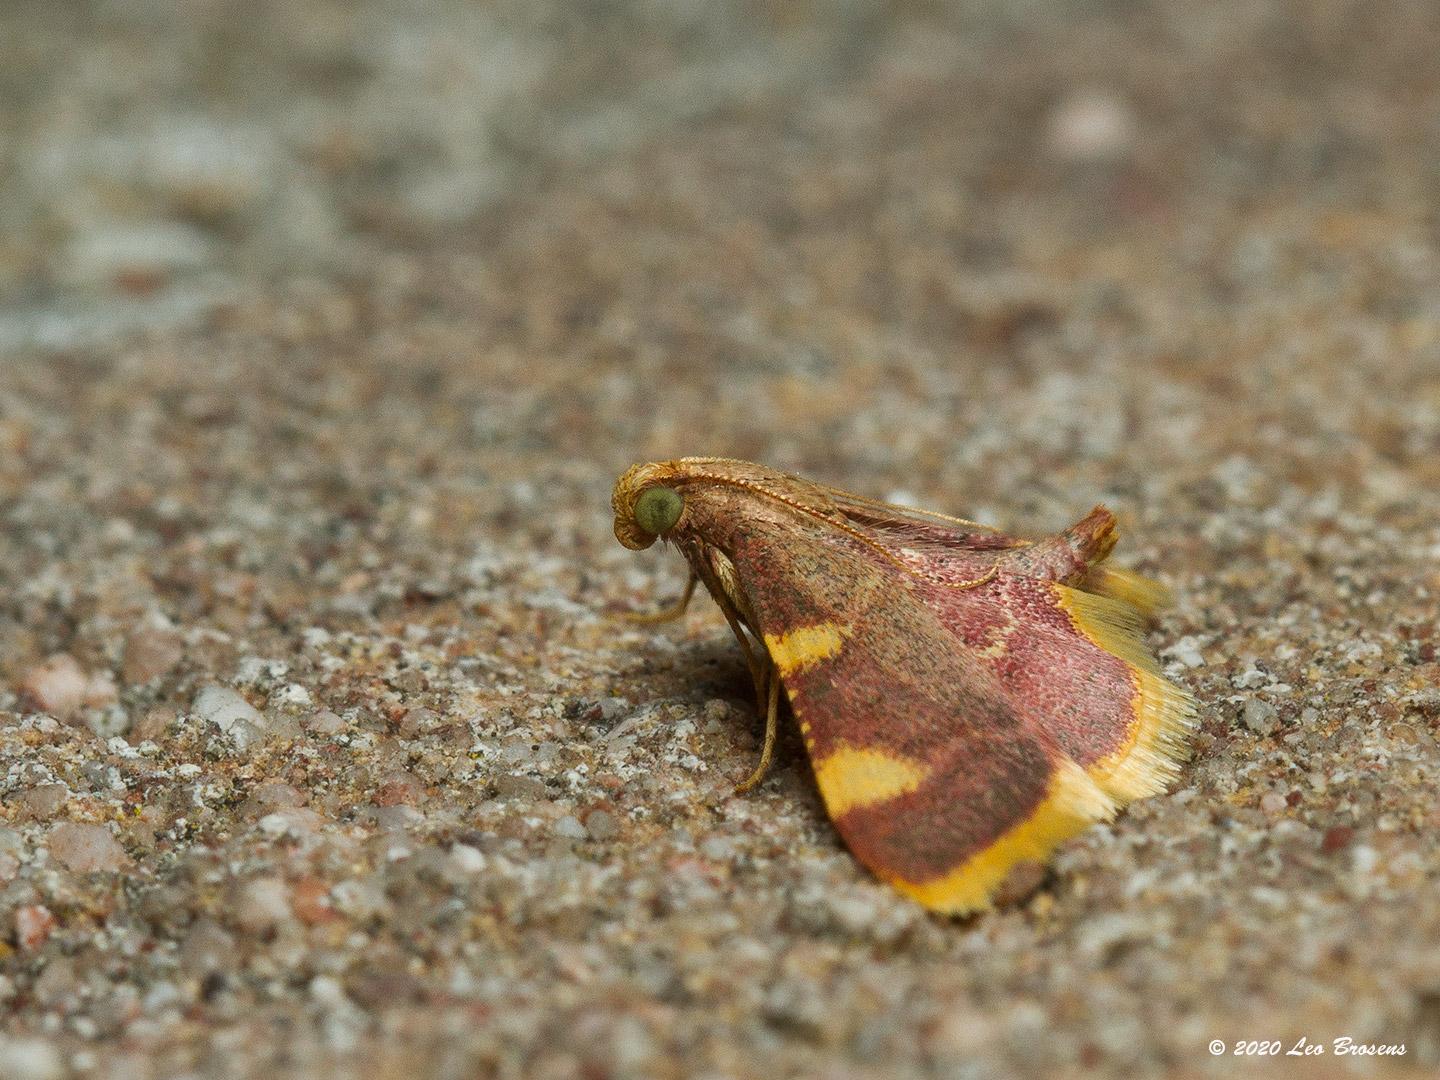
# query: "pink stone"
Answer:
x=86 y=848
x=57 y=685
x=100 y=690
x=262 y=904
x=33 y=926
x=1272 y=802
x=150 y=653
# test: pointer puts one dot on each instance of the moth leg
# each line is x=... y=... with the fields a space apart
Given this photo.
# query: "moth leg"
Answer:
x=700 y=565
x=667 y=614
x=767 y=754
x=762 y=672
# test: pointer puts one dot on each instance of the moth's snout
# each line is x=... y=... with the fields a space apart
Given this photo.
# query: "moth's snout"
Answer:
x=631 y=535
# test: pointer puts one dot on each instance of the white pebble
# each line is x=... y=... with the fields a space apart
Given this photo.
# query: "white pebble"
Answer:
x=30 y=1059
x=231 y=713
x=328 y=991
x=262 y=904
x=1259 y=716
x=1091 y=125
x=1186 y=651
x=467 y=859
x=569 y=827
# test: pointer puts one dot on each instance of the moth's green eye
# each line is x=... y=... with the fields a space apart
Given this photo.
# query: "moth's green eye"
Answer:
x=658 y=509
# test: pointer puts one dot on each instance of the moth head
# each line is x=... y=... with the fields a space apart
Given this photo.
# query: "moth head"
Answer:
x=645 y=507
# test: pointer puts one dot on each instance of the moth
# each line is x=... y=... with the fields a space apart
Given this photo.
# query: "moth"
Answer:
x=968 y=700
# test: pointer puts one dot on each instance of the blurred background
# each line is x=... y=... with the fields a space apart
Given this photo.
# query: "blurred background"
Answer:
x=325 y=329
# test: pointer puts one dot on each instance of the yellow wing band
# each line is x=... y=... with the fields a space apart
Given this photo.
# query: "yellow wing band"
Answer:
x=805 y=646
x=1073 y=802
x=851 y=778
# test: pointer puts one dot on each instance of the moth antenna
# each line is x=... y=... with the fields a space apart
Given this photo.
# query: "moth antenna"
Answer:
x=975 y=583
x=878 y=504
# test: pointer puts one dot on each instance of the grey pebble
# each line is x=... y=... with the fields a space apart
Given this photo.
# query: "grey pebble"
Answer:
x=109 y=722
x=613 y=708
x=1259 y=716
x=518 y=786
x=570 y=828
x=325 y=722
x=602 y=825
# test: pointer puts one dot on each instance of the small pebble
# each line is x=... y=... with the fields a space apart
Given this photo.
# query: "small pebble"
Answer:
x=613 y=708
x=570 y=828
x=1259 y=716
x=150 y=653
x=33 y=925
x=517 y=786
x=1364 y=859
x=1250 y=678
x=272 y=796
x=1186 y=651
x=207 y=947
x=153 y=724
x=311 y=901
x=231 y=713
x=1091 y=125
x=325 y=722
x=400 y=788
x=466 y=860
x=328 y=991
x=298 y=822
x=1337 y=838
x=86 y=848
x=358 y=899
x=110 y=722
x=852 y=913
x=30 y=1059
x=421 y=721
x=100 y=690
x=1272 y=803
x=262 y=904
x=57 y=686
x=602 y=825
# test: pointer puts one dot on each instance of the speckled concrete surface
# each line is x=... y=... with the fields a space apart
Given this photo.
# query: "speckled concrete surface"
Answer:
x=322 y=752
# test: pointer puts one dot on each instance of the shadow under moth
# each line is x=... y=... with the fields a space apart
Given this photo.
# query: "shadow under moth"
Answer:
x=968 y=700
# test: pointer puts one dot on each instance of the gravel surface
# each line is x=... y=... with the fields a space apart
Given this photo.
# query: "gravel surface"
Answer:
x=326 y=330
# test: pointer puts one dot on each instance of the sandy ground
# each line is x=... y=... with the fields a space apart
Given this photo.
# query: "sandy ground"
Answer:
x=327 y=329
